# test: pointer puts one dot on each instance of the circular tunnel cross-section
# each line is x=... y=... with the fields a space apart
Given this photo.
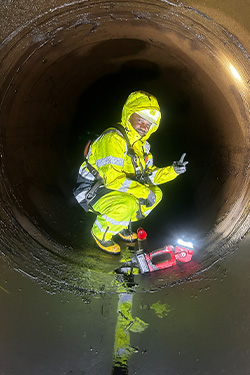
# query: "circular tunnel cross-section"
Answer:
x=66 y=75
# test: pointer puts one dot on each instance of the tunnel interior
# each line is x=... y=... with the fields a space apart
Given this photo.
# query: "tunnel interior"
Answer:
x=69 y=76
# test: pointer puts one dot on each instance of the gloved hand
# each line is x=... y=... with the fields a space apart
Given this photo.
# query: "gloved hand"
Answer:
x=180 y=166
x=149 y=201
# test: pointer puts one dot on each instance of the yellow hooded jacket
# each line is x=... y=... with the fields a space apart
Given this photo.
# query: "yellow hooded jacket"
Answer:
x=108 y=153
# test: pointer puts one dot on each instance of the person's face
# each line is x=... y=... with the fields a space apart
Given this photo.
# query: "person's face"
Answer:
x=141 y=125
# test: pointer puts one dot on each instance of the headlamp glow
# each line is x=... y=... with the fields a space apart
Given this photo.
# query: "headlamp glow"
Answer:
x=149 y=115
x=185 y=243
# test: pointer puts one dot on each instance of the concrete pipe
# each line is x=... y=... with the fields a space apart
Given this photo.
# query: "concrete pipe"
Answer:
x=66 y=70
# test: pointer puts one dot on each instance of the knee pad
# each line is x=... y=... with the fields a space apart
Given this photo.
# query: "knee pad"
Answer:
x=131 y=203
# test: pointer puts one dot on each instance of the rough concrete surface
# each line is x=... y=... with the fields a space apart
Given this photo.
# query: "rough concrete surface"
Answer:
x=66 y=69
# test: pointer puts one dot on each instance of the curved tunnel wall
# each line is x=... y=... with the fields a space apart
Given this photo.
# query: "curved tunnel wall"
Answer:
x=69 y=70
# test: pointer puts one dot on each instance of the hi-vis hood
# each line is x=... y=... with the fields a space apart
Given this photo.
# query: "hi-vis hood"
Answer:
x=140 y=101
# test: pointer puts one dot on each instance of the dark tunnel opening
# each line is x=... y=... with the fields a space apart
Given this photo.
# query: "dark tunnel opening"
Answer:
x=71 y=83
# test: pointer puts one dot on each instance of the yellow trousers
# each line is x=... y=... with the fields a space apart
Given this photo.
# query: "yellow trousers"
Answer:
x=117 y=209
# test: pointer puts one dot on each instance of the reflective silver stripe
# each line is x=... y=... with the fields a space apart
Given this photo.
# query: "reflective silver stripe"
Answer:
x=152 y=176
x=114 y=222
x=110 y=160
x=147 y=212
x=102 y=229
x=121 y=352
x=151 y=197
x=81 y=196
x=126 y=149
x=149 y=163
x=125 y=297
x=125 y=186
x=86 y=174
x=147 y=147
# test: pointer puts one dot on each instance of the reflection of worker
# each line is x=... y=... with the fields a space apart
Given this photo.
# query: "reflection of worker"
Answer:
x=118 y=180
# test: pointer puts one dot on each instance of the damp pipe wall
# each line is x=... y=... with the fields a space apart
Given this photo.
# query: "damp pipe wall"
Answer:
x=67 y=68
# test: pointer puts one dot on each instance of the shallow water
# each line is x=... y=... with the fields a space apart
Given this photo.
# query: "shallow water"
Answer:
x=198 y=327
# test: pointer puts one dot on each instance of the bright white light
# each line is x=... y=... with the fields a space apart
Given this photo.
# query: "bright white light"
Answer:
x=185 y=243
x=235 y=72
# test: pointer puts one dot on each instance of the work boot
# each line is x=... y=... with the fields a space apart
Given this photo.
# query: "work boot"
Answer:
x=127 y=235
x=109 y=246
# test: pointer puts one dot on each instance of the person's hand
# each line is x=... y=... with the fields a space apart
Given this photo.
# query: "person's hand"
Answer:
x=150 y=201
x=180 y=166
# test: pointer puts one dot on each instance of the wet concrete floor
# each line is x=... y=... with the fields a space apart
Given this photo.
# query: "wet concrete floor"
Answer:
x=198 y=327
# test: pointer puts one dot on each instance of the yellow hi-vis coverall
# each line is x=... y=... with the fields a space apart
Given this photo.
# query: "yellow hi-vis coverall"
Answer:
x=125 y=197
